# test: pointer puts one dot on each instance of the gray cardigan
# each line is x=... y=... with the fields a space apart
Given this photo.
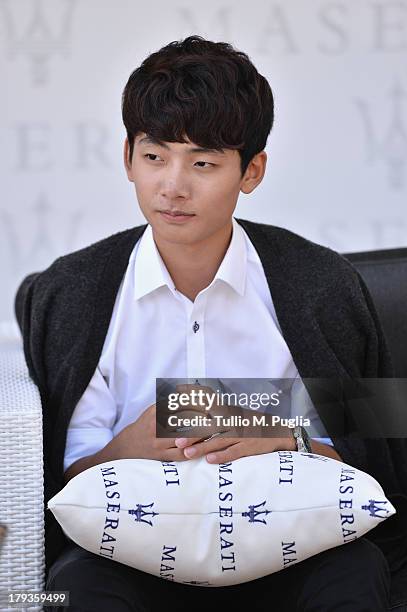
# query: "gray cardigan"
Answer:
x=324 y=310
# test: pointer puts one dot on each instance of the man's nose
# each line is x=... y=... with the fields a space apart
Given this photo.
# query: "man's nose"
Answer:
x=174 y=184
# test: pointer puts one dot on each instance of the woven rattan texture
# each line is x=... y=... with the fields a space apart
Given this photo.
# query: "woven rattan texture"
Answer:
x=21 y=476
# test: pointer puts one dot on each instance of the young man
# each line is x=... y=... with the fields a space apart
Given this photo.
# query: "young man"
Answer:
x=196 y=293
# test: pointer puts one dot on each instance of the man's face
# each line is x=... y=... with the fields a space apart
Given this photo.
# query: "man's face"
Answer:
x=173 y=178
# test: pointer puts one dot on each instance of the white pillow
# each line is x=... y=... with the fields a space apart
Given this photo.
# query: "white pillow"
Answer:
x=217 y=525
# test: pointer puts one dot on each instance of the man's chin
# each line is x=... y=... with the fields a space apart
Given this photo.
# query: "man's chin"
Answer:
x=177 y=234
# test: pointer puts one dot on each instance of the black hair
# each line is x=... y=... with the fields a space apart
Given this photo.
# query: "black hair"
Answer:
x=207 y=91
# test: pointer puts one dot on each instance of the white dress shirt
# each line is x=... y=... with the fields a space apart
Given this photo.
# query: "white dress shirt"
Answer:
x=229 y=331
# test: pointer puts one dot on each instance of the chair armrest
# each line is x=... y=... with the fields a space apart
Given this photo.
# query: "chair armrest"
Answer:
x=22 y=559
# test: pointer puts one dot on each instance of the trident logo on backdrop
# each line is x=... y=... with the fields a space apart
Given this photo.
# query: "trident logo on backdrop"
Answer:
x=139 y=513
x=43 y=245
x=253 y=513
x=42 y=35
x=391 y=146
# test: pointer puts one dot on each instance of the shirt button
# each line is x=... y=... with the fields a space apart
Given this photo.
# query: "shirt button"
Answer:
x=195 y=327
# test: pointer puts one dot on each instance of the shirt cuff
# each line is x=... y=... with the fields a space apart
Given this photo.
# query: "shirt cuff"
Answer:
x=324 y=441
x=84 y=441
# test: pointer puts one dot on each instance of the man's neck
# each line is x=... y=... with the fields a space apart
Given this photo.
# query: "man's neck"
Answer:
x=192 y=267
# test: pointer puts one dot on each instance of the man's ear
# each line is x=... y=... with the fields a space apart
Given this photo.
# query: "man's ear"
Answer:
x=254 y=172
x=126 y=159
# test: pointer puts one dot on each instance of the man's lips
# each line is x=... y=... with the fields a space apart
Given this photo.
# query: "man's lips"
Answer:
x=176 y=216
x=177 y=213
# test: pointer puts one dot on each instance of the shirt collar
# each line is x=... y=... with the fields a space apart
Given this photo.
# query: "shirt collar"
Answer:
x=233 y=268
x=150 y=272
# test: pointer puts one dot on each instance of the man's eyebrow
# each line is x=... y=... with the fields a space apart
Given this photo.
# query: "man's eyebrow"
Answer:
x=206 y=150
x=151 y=140
x=154 y=141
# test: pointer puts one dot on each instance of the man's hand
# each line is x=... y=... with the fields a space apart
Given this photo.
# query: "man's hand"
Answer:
x=222 y=450
x=231 y=444
x=203 y=409
x=223 y=446
x=138 y=441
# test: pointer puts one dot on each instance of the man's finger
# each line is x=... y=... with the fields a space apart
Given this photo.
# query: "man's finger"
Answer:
x=203 y=448
x=228 y=454
x=184 y=442
x=175 y=454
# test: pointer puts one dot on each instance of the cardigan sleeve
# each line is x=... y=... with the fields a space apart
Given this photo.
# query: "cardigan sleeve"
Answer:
x=23 y=311
x=378 y=363
x=34 y=305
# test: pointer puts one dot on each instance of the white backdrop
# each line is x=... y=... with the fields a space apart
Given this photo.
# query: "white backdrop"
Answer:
x=337 y=169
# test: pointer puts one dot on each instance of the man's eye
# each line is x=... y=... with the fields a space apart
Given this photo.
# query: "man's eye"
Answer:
x=204 y=162
x=150 y=155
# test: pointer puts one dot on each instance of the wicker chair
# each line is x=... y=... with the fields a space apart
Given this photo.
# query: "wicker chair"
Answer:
x=22 y=561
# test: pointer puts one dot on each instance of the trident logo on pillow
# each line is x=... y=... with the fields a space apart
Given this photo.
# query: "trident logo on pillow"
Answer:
x=218 y=525
x=140 y=513
x=253 y=513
